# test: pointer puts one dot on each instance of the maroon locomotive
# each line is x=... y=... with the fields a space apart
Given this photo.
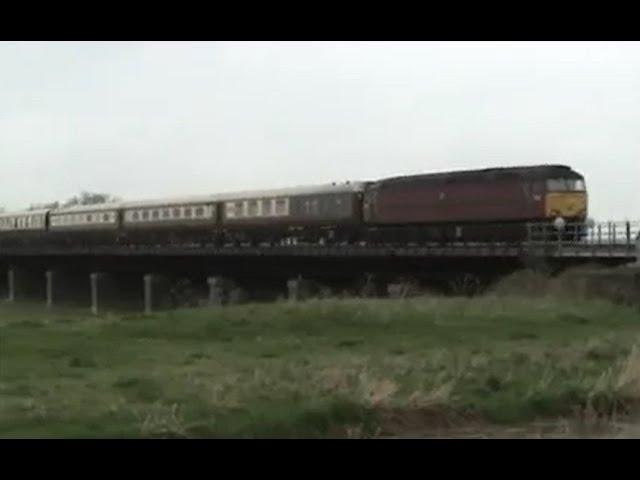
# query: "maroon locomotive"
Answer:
x=490 y=204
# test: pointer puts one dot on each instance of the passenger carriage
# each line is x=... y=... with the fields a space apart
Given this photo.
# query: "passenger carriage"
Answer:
x=310 y=214
x=25 y=228
x=175 y=221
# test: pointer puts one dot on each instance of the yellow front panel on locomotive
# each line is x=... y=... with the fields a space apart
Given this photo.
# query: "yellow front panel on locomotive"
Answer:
x=566 y=205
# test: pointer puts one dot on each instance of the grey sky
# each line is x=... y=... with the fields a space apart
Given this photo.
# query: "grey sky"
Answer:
x=144 y=120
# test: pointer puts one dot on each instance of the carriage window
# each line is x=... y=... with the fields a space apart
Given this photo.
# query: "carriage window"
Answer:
x=230 y=210
x=266 y=207
x=187 y=212
x=282 y=206
x=89 y=218
x=106 y=217
x=156 y=214
x=145 y=215
x=253 y=208
x=200 y=212
x=135 y=216
x=176 y=213
x=235 y=209
x=166 y=213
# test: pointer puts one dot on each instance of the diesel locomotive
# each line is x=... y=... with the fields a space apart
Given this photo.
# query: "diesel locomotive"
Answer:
x=477 y=205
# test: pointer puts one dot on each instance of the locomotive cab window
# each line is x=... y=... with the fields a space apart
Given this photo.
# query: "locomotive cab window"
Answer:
x=565 y=185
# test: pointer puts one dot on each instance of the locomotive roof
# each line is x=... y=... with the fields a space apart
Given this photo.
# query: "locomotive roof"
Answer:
x=535 y=172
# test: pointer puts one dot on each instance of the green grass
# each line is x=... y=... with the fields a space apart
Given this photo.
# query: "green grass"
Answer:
x=315 y=369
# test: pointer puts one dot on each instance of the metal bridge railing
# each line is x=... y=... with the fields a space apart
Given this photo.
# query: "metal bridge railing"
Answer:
x=600 y=237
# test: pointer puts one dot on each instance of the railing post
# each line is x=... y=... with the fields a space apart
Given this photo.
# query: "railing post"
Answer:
x=560 y=232
x=599 y=235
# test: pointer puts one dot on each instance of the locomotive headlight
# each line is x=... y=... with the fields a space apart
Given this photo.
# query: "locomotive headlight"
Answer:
x=559 y=223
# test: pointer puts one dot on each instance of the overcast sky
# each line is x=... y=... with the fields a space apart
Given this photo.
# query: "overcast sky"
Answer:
x=145 y=120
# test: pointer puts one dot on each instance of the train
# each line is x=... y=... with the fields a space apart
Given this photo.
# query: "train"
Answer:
x=494 y=204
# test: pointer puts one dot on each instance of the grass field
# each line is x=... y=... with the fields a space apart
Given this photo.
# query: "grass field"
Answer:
x=323 y=368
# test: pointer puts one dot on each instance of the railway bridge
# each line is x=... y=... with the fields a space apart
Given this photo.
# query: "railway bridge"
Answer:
x=136 y=271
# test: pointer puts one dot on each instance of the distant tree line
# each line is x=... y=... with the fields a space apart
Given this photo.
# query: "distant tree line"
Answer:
x=84 y=198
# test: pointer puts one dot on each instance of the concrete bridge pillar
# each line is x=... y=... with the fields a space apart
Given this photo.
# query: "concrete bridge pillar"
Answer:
x=298 y=289
x=95 y=279
x=49 y=276
x=293 y=289
x=370 y=287
x=237 y=295
x=23 y=283
x=156 y=290
x=11 y=285
x=148 y=294
x=216 y=291
x=103 y=290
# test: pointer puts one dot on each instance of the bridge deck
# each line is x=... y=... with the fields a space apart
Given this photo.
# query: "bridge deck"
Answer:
x=611 y=240
x=531 y=249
